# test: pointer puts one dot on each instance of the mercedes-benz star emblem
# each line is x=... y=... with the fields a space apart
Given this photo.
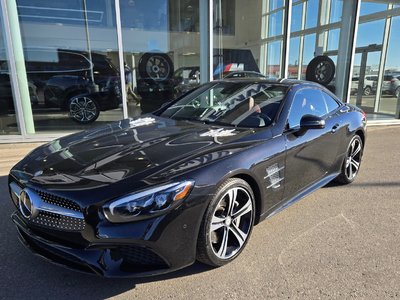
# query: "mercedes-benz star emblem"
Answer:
x=26 y=206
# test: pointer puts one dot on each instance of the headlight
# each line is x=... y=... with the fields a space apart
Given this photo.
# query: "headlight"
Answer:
x=148 y=203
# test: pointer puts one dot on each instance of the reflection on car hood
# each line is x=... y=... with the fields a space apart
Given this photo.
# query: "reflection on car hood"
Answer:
x=147 y=147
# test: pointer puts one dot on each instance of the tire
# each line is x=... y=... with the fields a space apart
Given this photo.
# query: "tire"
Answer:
x=83 y=109
x=155 y=67
x=367 y=91
x=221 y=244
x=352 y=161
x=321 y=69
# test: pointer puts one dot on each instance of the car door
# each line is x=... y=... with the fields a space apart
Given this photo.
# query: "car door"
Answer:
x=309 y=154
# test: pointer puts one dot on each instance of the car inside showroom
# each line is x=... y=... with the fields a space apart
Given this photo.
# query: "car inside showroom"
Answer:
x=71 y=65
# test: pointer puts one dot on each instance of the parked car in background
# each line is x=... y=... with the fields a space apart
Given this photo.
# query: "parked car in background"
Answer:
x=68 y=80
x=391 y=84
x=370 y=84
x=244 y=74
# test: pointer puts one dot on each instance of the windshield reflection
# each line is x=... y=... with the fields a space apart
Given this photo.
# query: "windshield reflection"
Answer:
x=240 y=104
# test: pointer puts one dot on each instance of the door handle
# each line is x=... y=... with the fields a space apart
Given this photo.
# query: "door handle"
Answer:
x=334 y=128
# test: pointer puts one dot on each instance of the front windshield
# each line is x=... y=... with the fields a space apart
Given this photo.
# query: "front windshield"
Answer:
x=243 y=104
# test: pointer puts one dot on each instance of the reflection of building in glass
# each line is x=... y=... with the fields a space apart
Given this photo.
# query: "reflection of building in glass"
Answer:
x=158 y=38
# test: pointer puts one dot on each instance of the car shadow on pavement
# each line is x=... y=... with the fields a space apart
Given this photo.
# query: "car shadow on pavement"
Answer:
x=23 y=274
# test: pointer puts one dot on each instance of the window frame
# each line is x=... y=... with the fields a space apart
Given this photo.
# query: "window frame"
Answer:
x=325 y=116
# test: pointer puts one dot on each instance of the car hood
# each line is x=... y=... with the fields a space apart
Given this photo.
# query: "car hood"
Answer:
x=135 y=149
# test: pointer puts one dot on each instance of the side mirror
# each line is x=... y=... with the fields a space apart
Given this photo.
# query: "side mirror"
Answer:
x=311 y=122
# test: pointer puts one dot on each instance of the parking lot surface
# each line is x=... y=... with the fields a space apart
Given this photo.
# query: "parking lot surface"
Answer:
x=339 y=242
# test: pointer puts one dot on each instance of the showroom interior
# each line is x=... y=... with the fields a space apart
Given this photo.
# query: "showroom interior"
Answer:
x=124 y=58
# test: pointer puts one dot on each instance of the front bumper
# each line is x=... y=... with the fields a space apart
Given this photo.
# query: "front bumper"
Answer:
x=111 y=257
x=104 y=260
x=143 y=248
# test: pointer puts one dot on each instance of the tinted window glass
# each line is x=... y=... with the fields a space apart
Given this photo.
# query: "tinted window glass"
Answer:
x=306 y=102
x=331 y=103
x=240 y=104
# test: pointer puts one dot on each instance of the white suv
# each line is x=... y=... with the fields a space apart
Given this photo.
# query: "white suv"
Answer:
x=370 y=82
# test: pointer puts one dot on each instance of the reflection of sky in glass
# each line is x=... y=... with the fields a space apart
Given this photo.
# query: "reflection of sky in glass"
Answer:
x=275 y=24
x=294 y=51
x=336 y=11
x=370 y=8
x=333 y=39
x=309 y=48
x=393 y=57
x=373 y=62
x=274 y=4
x=296 y=17
x=312 y=13
x=357 y=63
x=294 y=57
x=274 y=58
x=370 y=33
x=274 y=53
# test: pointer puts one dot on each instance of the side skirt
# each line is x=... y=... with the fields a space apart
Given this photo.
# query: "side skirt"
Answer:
x=324 y=181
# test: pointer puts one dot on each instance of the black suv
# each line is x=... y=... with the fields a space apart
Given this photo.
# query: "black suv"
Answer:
x=68 y=80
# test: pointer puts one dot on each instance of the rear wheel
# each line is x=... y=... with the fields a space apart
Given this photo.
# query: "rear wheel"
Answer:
x=227 y=223
x=367 y=91
x=83 y=109
x=352 y=161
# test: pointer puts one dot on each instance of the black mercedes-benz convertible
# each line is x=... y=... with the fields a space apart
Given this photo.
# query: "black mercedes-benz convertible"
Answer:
x=150 y=195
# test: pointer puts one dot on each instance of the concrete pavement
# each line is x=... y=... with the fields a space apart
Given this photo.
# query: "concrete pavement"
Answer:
x=340 y=242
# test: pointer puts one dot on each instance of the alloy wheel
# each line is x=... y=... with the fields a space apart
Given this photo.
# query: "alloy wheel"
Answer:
x=157 y=68
x=83 y=109
x=231 y=223
x=353 y=159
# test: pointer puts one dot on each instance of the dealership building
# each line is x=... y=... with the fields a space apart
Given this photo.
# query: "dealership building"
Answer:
x=71 y=65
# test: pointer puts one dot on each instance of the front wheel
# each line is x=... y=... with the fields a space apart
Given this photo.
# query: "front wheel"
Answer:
x=227 y=223
x=83 y=109
x=352 y=161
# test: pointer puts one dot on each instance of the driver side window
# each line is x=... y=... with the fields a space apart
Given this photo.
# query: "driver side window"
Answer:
x=306 y=102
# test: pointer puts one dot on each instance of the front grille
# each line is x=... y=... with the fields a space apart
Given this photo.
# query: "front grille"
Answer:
x=60 y=222
x=59 y=201
x=138 y=257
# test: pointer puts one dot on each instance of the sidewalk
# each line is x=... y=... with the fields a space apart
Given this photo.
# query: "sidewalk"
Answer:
x=10 y=154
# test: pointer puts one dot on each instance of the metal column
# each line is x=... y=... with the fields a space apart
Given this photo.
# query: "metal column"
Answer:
x=347 y=48
x=121 y=59
x=16 y=62
x=206 y=40
x=286 y=41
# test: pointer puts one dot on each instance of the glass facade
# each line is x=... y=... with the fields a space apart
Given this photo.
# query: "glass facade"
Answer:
x=71 y=60
x=375 y=83
x=161 y=45
x=72 y=65
x=8 y=120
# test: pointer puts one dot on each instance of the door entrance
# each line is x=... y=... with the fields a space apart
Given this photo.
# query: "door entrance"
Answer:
x=364 y=81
